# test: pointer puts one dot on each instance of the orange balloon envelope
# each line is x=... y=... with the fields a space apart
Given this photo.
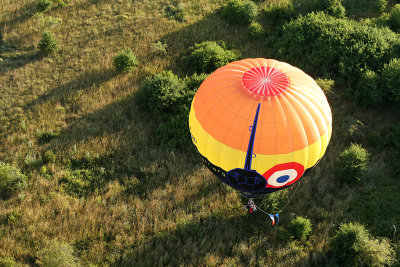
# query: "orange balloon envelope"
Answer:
x=259 y=124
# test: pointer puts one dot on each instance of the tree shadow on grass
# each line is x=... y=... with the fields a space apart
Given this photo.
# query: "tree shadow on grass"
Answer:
x=84 y=81
x=192 y=243
x=10 y=63
x=213 y=27
x=134 y=158
x=18 y=16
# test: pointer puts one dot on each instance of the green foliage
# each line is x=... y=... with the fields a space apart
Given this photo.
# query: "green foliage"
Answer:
x=352 y=164
x=299 y=227
x=326 y=85
x=274 y=202
x=57 y=254
x=12 y=180
x=176 y=11
x=240 y=12
x=159 y=48
x=391 y=79
x=352 y=244
x=8 y=262
x=353 y=128
x=81 y=182
x=44 y=5
x=368 y=90
x=380 y=5
x=174 y=132
x=394 y=18
x=48 y=44
x=162 y=93
x=49 y=157
x=280 y=13
x=340 y=48
x=125 y=61
x=46 y=136
x=255 y=30
x=331 y=7
x=208 y=56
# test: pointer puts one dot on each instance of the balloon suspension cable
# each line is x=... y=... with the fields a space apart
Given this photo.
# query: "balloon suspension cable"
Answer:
x=251 y=201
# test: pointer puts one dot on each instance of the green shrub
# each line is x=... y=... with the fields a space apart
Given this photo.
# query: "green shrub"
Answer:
x=81 y=182
x=159 y=48
x=339 y=48
x=394 y=18
x=174 y=132
x=44 y=5
x=48 y=44
x=57 y=254
x=353 y=128
x=162 y=93
x=240 y=12
x=380 y=5
x=299 y=227
x=125 y=61
x=331 y=7
x=352 y=244
x=255 y=30
x=49 y=157
x=175 y=11
x=8 y=262
x=274 y=202
x=11 y=180
x=352 y=164
x=391 y=79
x=46 y=136
x=326 y=85
x=208 y=56
x=192 y=83
x=280 y=13
x=368 y=91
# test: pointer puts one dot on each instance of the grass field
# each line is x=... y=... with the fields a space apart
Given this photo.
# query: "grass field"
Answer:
x=142 y=204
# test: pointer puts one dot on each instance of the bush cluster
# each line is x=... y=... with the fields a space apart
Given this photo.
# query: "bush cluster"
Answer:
x=331 y=7
x=280 y=13
x=352 y=164
x=299 y=227
x=394 y=18
x=125 y=61
x=81 y=182
x=48 y=44
x=255 y=30
x=347 y=50
x=162 y=93
x=11 y=180
x=57 y=254
x=240 y=12
x=169 y=98
x=175 y=11
x=208 y=56
x=325 y=45
x=44 y=5
x=352 y=244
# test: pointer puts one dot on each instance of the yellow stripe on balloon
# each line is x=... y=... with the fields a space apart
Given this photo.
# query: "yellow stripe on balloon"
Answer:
x=229 y=158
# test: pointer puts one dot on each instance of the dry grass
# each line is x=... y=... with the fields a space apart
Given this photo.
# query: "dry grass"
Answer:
x=155 y=206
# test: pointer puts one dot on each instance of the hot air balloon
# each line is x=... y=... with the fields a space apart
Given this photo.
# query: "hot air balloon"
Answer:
x=260 y=124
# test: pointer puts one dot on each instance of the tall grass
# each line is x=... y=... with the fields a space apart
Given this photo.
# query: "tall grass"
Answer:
x=153 y=206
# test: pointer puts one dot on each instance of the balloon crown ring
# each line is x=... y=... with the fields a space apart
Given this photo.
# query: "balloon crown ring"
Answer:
x=265 y=81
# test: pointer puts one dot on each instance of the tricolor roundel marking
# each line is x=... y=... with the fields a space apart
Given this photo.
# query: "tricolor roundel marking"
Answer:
x=284 y=174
